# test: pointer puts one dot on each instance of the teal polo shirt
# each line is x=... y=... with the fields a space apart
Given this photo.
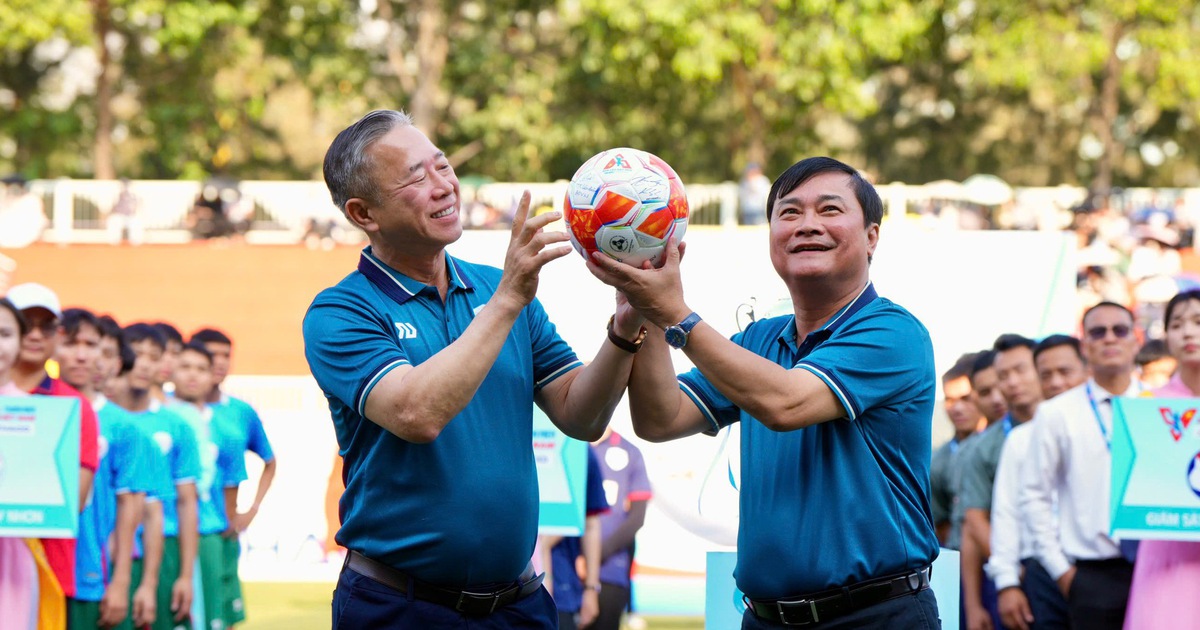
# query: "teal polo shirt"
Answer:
x=844 y=501
x=461 y=510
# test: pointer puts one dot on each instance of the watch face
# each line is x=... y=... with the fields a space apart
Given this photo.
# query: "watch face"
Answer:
x=676 y=338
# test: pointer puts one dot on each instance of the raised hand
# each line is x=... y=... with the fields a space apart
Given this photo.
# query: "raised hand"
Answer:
x=528 y=252
x=655 y=293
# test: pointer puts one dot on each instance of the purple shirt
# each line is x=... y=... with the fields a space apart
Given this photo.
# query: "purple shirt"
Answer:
x=625 y=481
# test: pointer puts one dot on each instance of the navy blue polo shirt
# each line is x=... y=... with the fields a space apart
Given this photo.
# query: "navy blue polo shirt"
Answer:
x=461 y=510
x=843 y=501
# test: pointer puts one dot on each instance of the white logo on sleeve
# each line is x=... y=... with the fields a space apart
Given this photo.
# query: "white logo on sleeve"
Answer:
x=405 y=330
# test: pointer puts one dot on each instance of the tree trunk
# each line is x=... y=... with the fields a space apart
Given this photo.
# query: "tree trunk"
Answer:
x=1110 y=94
x=103 y=166
x=431 y=45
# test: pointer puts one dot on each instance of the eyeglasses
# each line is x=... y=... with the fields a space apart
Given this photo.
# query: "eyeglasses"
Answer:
x=1120 y=331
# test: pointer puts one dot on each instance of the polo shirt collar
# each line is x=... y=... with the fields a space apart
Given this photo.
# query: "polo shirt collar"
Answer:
x=400 y=287
x=864 y=297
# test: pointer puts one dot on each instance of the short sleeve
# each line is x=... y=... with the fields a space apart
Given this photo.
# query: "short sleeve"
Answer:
x=874 y=359
x=256 y=436
x=552 y=357
x=976 y=480
x=186 y=465
x=349 y=349
x=597 y=501
x=717 y=409
x=639 y=481
x=89 y=436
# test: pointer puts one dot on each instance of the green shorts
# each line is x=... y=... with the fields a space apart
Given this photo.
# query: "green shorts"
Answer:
x=167 y=574
x=235 y=609
x=82 y=615
x=212 y=568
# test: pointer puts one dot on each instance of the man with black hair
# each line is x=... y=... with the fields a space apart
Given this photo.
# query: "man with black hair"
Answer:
x=251 y=437
x=1026 y=595
x=1064 y=493
x=985 y=387
x=967 y=420
x=1060 y=364
x=1018 y=382
x=221 y=464
x=839 y=393
x=108 y=364
x=174 y=341
x=168 y=563
x=129 y=473
x=1155 y=364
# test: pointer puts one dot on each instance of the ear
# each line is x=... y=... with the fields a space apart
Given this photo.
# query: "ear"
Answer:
x=358 y=211
x=872 y=240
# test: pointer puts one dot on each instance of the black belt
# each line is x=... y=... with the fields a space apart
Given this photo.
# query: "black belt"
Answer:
x=826 y=605
x=466 y=602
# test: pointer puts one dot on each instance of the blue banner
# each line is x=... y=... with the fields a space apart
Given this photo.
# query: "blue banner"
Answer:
x=39 y=467
x=1156 y=469
x=562 y=475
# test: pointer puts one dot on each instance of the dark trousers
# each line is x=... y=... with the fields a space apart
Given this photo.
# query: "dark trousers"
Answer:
x=614 y=600
x=360 y=603
x=916 y=611
x=1046 y=602
x=1100 y=593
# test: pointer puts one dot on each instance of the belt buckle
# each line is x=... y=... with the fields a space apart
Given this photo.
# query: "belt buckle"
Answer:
x=467 y=596
x=782 y=607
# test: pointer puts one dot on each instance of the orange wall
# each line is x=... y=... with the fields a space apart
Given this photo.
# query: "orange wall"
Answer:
x=256 y=294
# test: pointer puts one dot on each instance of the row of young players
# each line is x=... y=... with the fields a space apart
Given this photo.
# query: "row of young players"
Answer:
x=1021 y=487
x=159 y=473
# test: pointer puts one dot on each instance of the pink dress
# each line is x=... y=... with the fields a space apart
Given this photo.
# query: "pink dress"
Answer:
x=18 y=570
x=1165 y=576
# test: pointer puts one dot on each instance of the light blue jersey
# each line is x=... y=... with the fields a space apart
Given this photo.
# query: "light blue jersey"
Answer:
x=220 y=462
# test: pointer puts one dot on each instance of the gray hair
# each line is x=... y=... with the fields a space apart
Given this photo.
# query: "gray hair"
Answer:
x=347 y=165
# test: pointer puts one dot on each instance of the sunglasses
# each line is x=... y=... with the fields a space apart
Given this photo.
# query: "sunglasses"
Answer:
x=1120 y=331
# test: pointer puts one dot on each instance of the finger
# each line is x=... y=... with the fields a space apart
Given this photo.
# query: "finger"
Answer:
x=535 y=223
x=546 y=255
x=542 y=239
x=682 y=250
x=520 y=212
x=673 y=254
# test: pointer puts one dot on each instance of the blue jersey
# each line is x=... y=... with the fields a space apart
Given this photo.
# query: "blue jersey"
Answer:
x=461 y=510
x=220 y=462
x=568 y=589
x=843 y=501
x=245 y=419
x=127 y=465
x=180 y=458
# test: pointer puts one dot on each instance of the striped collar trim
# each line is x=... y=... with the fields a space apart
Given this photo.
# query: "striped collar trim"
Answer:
x=400 y=287
x=864 y=297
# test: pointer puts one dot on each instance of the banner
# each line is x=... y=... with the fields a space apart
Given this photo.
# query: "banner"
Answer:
x=723 y=605
x=562 y=475
x=39 y=467
x=1156 y=469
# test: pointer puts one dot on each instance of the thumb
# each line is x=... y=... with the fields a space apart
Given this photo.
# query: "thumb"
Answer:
x=674 y=253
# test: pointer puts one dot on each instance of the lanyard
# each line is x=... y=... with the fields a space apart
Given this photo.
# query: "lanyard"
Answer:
x=954 y=444
x=1096 y=413
x=1008 y=423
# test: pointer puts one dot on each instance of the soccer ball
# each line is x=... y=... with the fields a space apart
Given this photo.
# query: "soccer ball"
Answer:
x=626 y=203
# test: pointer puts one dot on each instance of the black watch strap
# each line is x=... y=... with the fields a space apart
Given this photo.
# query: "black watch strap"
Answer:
x=628 y=346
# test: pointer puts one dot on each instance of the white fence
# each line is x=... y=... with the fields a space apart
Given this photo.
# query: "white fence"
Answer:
x=281 y=210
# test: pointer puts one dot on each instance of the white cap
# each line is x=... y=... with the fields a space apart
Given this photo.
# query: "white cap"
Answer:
x=33 y=295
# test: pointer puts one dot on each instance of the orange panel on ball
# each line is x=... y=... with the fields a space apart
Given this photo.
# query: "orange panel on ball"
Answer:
x=613 y=207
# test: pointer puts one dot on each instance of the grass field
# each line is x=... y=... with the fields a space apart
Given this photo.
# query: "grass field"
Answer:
x=304 y=606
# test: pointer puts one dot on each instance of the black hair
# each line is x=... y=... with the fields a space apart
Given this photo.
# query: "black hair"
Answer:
x=22 y=323
x=1055 y=341
x=962 y=367
x=806 y=169
x=1009 y=341
x=169 y=332
x=198 y=347
x=1107 y=304
x=137 y=333
x=109 y=327
x=984 y=360
x=128 y=357
x=1180 y=298
x=73 y=318
x=1152 y=351
x=210 y=335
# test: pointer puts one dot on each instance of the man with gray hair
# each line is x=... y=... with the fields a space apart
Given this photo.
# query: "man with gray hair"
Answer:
x=431 y=366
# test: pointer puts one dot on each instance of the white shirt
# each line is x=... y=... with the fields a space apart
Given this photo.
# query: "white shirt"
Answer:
x=1012 y=538
x=1069 y=455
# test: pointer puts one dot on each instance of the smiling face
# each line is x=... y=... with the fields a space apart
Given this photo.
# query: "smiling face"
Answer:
x=818 y=232
x=417 y=209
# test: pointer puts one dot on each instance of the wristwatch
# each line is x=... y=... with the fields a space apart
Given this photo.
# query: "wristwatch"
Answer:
x=677 y=335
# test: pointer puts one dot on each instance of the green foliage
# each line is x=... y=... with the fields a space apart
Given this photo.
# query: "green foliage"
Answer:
x=911 y=90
